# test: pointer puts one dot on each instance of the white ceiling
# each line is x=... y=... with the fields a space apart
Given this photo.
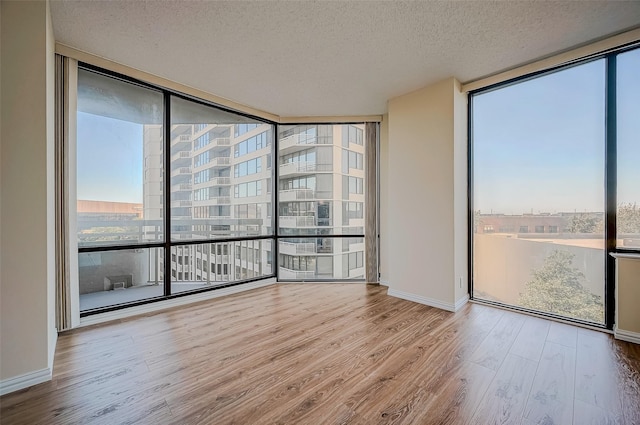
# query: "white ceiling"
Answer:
x=330 y=58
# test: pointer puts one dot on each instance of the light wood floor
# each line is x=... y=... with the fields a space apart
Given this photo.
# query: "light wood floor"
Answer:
x=333 y=354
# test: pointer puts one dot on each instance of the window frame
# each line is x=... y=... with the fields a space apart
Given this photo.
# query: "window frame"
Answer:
x=168 y=243
x=610 y=184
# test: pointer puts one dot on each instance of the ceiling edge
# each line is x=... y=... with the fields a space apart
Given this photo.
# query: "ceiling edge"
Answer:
x=575 y=54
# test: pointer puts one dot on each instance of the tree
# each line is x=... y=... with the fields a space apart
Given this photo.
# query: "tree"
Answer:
x=556 y=288
x=628 y=218
x=584 y=223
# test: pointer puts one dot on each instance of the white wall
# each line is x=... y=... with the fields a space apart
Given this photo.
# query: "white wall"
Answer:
x=426 y=205
x=27 y=333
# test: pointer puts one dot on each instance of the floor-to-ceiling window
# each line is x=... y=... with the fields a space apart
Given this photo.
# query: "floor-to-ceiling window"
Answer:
x=321 y=202
x=628 y=151
x=539 y=194
x=555 y=170
x=174 y=196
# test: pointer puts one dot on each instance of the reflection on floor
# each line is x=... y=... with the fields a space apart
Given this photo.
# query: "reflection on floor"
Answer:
x=136 y=293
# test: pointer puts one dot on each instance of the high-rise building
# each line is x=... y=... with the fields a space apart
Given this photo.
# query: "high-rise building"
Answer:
x=221 y=187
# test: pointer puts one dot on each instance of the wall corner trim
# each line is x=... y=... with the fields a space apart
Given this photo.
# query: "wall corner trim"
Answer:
x=461 y=302
x=422 y=300
x=26 y=380
x=628 y=336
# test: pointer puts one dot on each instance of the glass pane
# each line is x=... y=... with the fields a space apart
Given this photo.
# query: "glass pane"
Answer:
x=201 y=266
x=321 y=172
x=109 y=278
x=321 y=259
x=119 y=162
x=538 y=166
x=628 y=216
x=217 y=178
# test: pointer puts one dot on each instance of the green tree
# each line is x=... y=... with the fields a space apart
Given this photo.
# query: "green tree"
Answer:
x=556 y=288
x=584 y=223
x=628 y=218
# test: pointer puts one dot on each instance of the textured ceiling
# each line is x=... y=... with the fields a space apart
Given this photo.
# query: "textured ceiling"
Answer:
x=329 y=58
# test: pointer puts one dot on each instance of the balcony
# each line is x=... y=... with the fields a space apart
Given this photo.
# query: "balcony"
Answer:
x=179 y=175
x=296 y=142
x=297 y=221
x=220 y=181
x=222 y=141
x=181 y=203
x=293 y=169
x=219 y=200
x=293 y=248
x=181 y=157
x=288 y=274
x=220 y=161
x=182 y=142
x=296 y=195
x=181 y=187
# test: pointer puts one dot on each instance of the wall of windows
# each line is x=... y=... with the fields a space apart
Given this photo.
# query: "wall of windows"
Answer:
x=159 y=212
x=554 y=175
x=175 y=196
x=316 y=209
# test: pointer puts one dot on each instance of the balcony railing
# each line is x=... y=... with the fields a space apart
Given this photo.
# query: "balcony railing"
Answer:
x=222 y=141
x=303 y=167
x=182 y=171
x=180 y=155
x=293 y=248
x=220 y=200
x=289 y=274
x=221 y=181
x=221 y=161
x=299 y=139
x=297 y=221
x=296 y=194
x=181 y=187
x=181 y=203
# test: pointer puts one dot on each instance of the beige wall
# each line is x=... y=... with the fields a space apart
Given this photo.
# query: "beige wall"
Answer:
x=460 y=182
x=425 y=238
x=26 y=246
x=628 y=294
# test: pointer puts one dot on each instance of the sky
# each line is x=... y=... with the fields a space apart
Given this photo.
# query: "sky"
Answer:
x=110 y=159
x=539 y=145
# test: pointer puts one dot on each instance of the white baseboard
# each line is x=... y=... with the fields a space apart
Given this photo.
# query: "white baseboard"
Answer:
x=422 y=300
x=384 y=282
x=173 y=302
x=23 y=381
x=626 y=335
x=461 y=302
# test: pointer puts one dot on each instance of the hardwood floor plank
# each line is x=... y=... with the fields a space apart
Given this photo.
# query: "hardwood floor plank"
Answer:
x=588 y=414
x=530 y=340
x=324 y=354
x=551 y=398
x=505 y=399
x=563 y=334
x=495 y=347
x=597 y=380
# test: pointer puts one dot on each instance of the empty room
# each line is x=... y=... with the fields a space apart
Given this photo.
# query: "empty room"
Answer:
x=319 y=212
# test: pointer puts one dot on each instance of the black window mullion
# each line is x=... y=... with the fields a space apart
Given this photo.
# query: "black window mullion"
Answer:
x=166 y=198
x=610 y=187
x=275 y=209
